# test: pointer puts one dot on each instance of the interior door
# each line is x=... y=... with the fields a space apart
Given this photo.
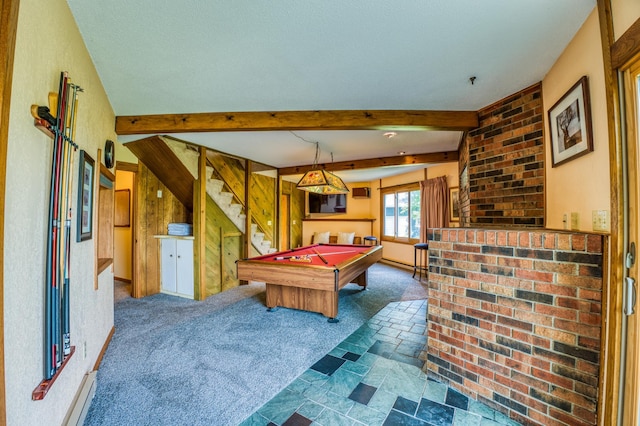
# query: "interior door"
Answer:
x=285 y=226
x=630 y=339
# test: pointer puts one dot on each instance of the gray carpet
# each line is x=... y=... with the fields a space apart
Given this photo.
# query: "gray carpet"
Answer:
x=173 y=361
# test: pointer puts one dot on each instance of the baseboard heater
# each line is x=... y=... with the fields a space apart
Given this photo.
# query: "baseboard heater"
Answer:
x=82 y=402
x=396 y=263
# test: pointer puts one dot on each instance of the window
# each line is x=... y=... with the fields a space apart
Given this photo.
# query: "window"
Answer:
x=401 y=214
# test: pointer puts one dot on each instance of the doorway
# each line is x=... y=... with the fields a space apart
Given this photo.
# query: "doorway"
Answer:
x=124 y=229
x=285 y=226
x=629 y=399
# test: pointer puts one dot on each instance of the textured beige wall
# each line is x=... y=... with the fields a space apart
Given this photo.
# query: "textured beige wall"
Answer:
x=624 y=13
x=48 y=42
x=582 y=184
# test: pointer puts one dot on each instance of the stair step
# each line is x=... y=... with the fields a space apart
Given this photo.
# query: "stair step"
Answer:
x=209 y=172
x=234 y=210
x=216 y=184
x=224 y=199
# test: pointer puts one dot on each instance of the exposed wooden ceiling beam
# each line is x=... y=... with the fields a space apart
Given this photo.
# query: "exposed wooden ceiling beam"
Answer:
x=296 y=120
x=436 y=157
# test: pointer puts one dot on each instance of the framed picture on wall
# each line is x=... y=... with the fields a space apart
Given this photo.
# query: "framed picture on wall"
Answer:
x=454 y=205
x=85 y=197
x=570 y=124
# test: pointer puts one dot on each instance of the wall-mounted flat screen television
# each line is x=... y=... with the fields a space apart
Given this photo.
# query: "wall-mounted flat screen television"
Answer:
x=333 y=203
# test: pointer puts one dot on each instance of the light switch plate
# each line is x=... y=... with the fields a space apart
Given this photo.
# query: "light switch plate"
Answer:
x=600 y=220
x=575 y=221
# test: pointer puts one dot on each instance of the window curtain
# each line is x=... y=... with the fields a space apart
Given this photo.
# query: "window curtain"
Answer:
x=434 y=213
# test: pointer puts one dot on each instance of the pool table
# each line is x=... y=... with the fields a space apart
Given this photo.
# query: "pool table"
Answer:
x=310 y=277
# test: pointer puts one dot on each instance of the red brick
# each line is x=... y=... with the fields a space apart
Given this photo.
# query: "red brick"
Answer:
x=574 y=398
x=591 y=319
x=554 y=289
x=594 y=244
x=516 y=262
x=545 y=419
x=588 y=416
x=568 y=419
x=519 y=394
x=587 y=342
x=485 y=372
x=552 y=311
x=530 y=381
x=590 y=294
x=580 y=281
x=580 y=305
x=549 y=240
x=578 y=242
x=564 y=242
x=534 y=275
x=561 y=267
x=560 y=381
x=524 y=239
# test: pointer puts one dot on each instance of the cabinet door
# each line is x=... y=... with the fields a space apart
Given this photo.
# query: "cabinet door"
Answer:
x=184 y=268
x=168 y=265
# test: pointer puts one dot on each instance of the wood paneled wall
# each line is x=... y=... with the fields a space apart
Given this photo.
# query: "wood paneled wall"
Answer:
x=153 y=214
x=224 y=244
x=262 y=203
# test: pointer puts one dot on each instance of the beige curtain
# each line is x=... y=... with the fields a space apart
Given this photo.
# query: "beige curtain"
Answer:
x=434 y=213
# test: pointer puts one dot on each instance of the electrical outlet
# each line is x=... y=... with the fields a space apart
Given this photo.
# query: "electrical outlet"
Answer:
x=575 y=221
x=159 y=193
x=600 y=220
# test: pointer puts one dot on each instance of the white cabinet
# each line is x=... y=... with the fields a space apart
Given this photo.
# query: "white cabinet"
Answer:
x=177 y=266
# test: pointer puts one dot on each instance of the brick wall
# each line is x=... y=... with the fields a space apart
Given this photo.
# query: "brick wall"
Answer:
x=506 y=163
x=514 y=320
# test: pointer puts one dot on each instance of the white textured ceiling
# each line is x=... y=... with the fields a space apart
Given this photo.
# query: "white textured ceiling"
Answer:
x=167 y=56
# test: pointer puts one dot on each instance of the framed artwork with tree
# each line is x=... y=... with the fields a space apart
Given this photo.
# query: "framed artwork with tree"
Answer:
x=570 y=124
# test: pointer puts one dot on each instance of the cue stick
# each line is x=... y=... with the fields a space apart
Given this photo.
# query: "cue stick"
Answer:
x=326 y=254
x=326 y=262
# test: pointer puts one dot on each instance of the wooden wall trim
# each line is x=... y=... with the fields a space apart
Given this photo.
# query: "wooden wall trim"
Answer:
x=398 y=160
x=8 y=29
x=296 y=120
x=104 y=349
x=613 y=272
x=626 y=47
x=123 y=166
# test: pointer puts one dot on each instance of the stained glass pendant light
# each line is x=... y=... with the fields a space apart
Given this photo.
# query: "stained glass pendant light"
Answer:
x=321 y=181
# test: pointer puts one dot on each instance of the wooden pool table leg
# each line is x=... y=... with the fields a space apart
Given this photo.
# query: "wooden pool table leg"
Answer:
x=361 y=279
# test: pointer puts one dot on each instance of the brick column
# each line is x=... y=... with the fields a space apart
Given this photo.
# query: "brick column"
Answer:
x=514 y=320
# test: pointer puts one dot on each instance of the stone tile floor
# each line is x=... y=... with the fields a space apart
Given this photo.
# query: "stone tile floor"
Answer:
x=374 y=377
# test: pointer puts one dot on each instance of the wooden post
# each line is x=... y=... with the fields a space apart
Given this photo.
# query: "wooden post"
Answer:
x=199 y=227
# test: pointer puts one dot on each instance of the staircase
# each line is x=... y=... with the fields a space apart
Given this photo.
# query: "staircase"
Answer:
x=224 y=200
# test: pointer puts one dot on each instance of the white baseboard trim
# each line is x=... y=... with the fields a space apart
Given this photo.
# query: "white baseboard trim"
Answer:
x=82 y=401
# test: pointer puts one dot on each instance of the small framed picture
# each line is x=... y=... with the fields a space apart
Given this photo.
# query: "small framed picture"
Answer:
x=85 y=197
x=570 y=124
x=454 y=205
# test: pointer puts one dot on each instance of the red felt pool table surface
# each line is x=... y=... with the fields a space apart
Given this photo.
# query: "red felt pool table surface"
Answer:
x=300 y=279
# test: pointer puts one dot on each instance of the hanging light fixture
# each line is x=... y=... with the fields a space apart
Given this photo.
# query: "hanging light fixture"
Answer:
x=321 y=181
